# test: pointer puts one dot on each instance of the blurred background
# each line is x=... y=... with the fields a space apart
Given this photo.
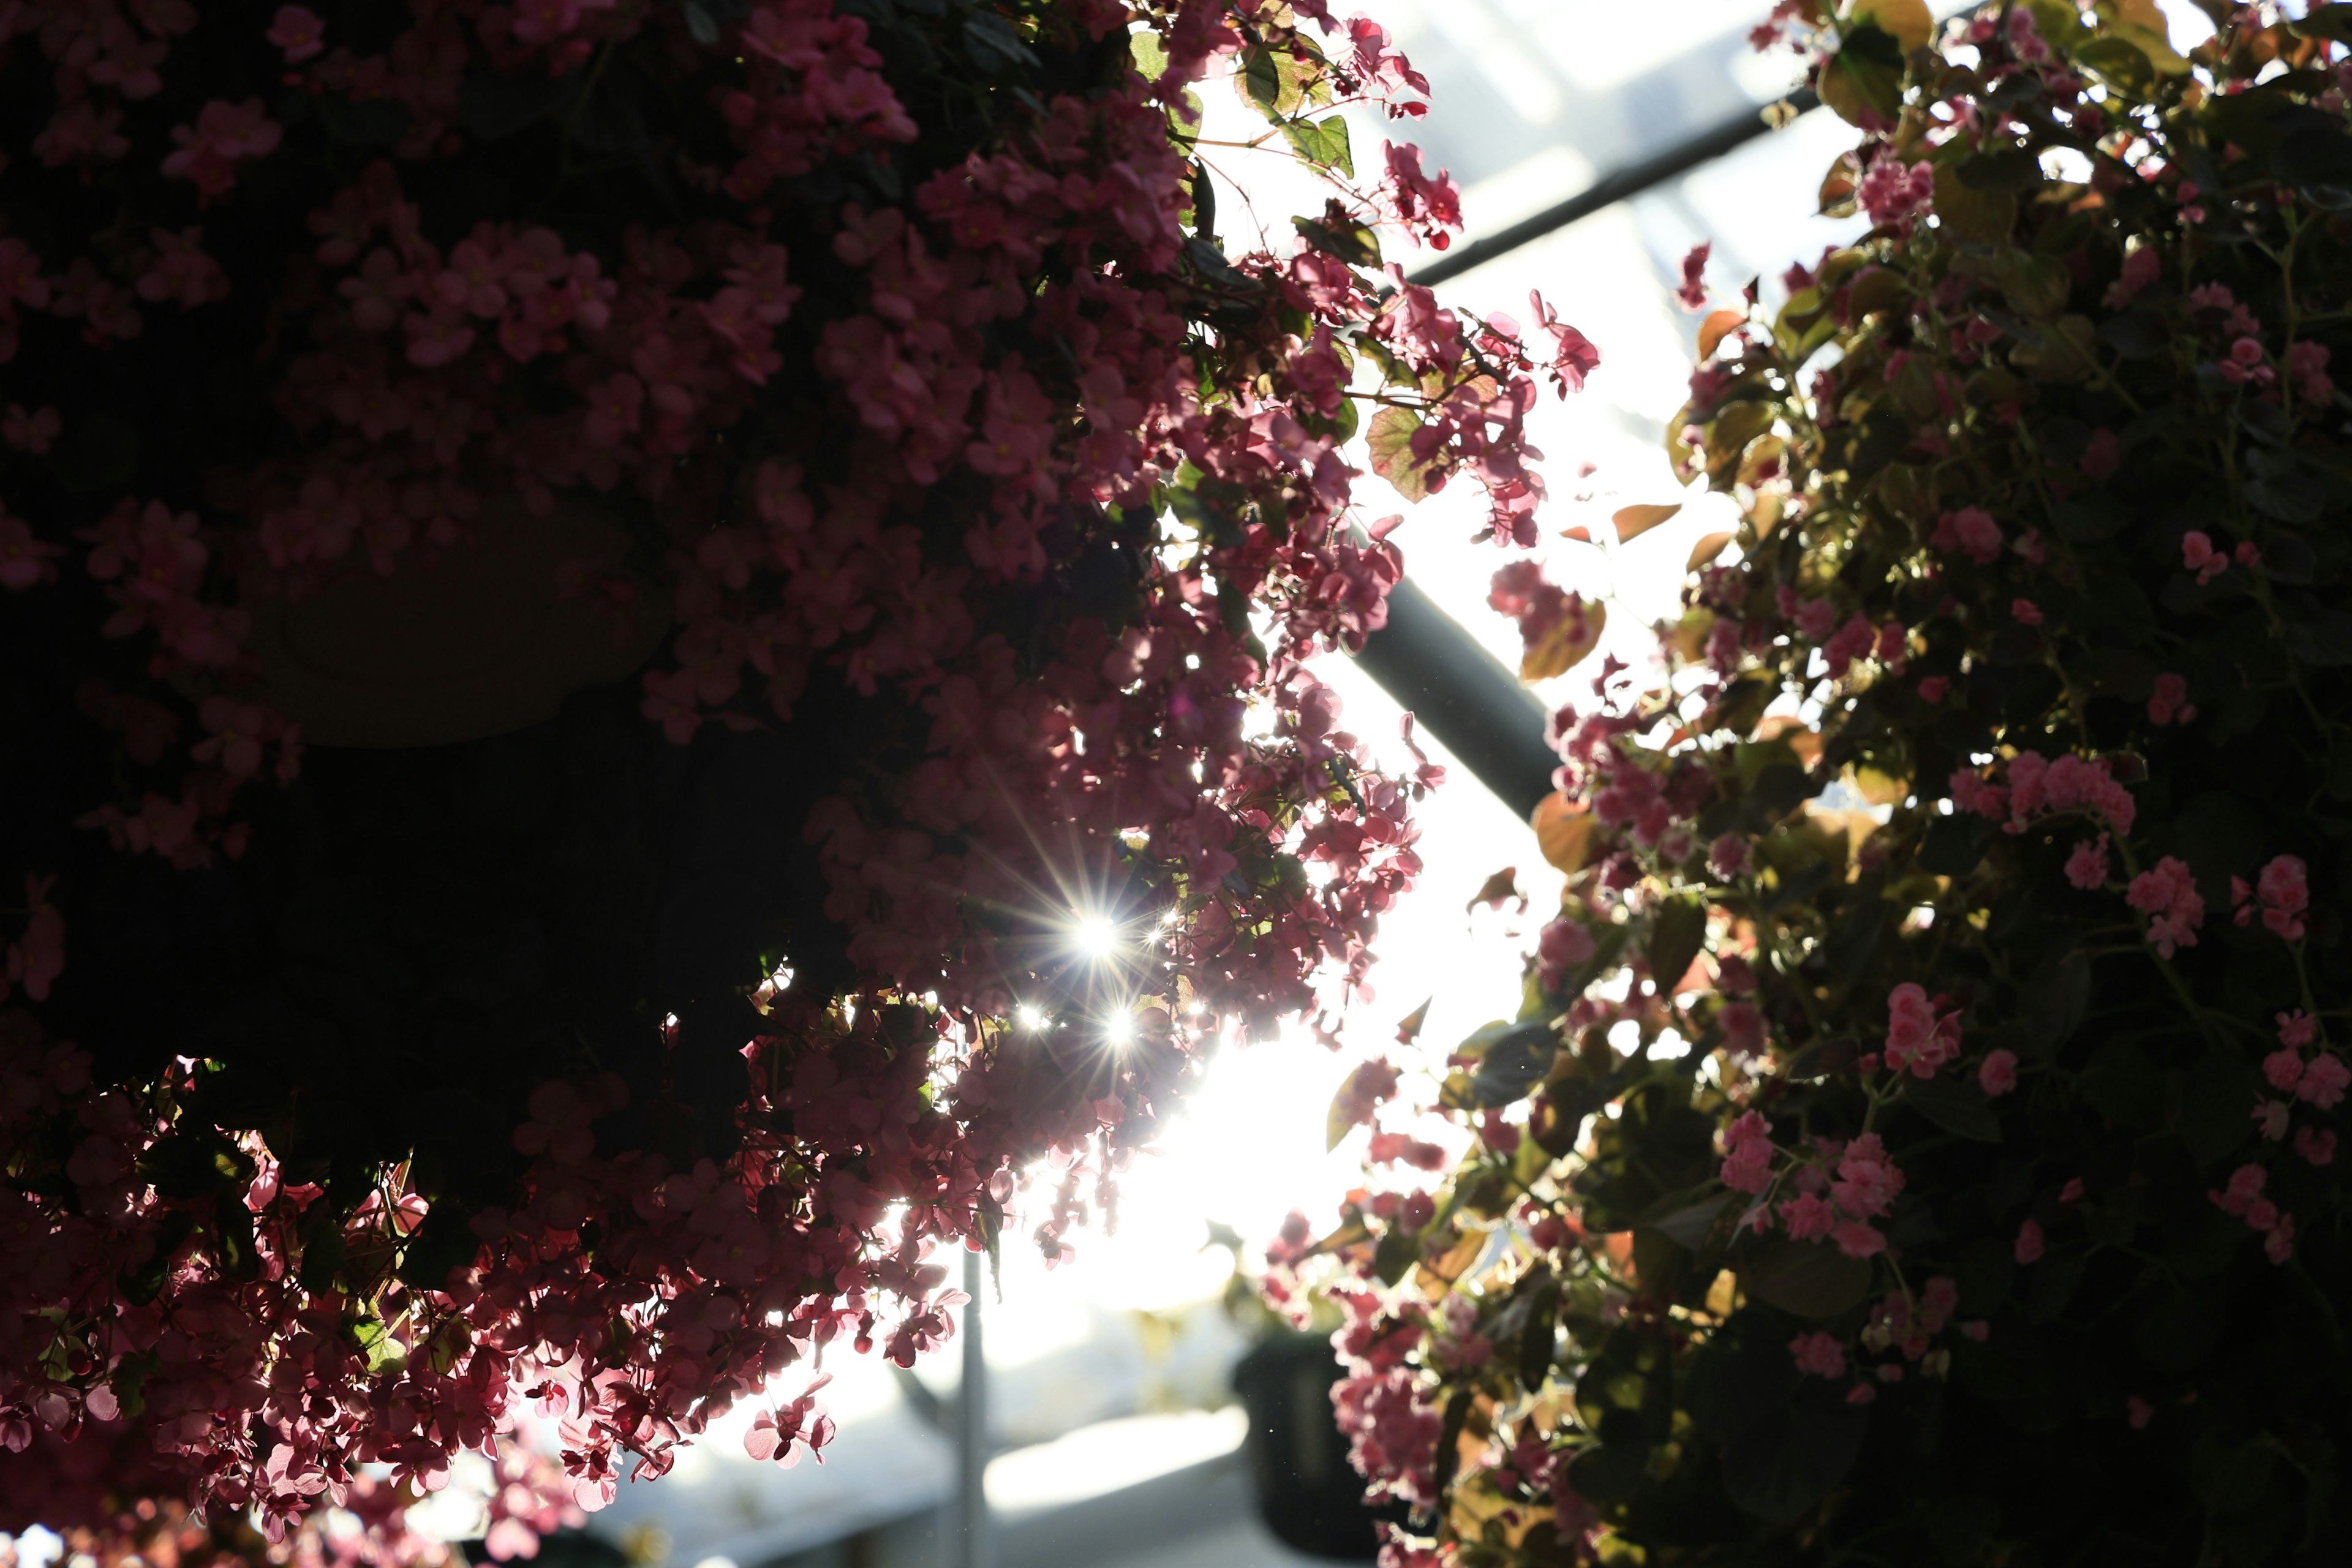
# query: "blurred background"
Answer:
x=1114 y=1437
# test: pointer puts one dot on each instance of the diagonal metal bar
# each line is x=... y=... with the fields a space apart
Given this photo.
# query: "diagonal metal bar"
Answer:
x=1463 y=695
x=1624 y=184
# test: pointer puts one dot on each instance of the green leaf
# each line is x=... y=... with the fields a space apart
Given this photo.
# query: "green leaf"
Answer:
x=994 y=46
x=1261 y=80
x=1811 y=1279
x=1677 y=934
x=1536 y=1337
x=1956 y=1105
x=1778 y=1470
x=1322 y=143
x=1351 y=242
x=1150 y=55
x=1866 y=73
x=2120 y=64
x=1449 y=1437
x=1964 y=212
x=1389 y=440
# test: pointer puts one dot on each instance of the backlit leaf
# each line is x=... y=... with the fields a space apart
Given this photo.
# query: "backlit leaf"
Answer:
x=1716 y=328
x=1564 y=645
x=1633 y=521
x=1708 y=547
x=1564 y=832
x=1389 y=440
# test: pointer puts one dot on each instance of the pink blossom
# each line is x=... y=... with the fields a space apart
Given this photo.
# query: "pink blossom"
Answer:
x=2297 y=1028
x=2197 y=553
x=1856 y=1239
x=2169 y=700
x=2086 y=866
x=1867 y=1178
x=2101 y=457
x=2244 y=1189
x=1917 y=1041
x=1818 y=1354
x=2169 y=894
x=1997 y=1074
x=2270 y=1118
x=1809 y=1216
x=2029 y=1243
x=2323 y=1079
x=2284 y=1068
x=224 y=133
x=1692 y=292
x=2317 y=1148
x=25 y=558
x=2025 y=612
x=2285 y=892
x=1747 y=1154
x=1932 y=688
x=298 y=32
x=1971 y=531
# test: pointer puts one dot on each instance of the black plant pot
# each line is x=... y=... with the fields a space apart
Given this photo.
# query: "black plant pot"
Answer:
x=1309 y=1496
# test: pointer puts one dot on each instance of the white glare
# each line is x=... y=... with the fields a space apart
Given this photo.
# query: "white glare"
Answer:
x=1030 y=1017
x=1097 y=936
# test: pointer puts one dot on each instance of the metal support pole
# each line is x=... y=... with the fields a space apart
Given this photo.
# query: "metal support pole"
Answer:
x=1463 y=695
x=969 y=1544
x=1626 y=182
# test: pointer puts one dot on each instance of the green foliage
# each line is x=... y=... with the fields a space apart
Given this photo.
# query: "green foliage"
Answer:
x=2096 y=1316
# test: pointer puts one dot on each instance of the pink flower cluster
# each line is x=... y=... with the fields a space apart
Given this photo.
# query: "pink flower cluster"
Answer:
x=2035 y=787
x=2284 y=891
x=2243 y=1198
x=2167 y=893
x=1918 y=1039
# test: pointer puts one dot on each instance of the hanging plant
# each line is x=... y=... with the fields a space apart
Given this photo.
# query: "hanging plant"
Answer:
x=599 y=599
x=1918 y=1139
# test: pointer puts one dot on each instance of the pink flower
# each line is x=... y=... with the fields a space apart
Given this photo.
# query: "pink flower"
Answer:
x=2284 y=1068
x=2101 y=457
x=2169 y=700
x=224 y=135
x=1693 y=292
x=1747 y=1154
x=1932 y=688
x=2270 y=1118
x=1971 y=531
x=2323 y=1082
x=1867 y=1179
x=2315 y=1147
x=2169 y=894
x=2029 y=1243
x=2197 y=553
x=298 y=32
x=1917 y=1041
x=1818 y=1354
x=2279 y=1245
x=1809 y=1216
x=2138 y=1412
x=2142 y=267
x=2285 y=892
x=2025 y=612
x=2087 y=868
x=1998 y=1073
x=36 y=959
x=2296 y=1029
x=2245 y=1188
x=25 y=558
x=1856 y=1239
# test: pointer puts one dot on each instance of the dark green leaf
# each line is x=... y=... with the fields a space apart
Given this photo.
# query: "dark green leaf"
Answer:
x=1536 y=1337
x=1676 y=932
x=1953 y=846
x=1352 y=242
x=1811 y=1279
x=994 y=46
x=1778 y=1470
x=1956 y=1105
x=2010 y=169
x=1609 y=1472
